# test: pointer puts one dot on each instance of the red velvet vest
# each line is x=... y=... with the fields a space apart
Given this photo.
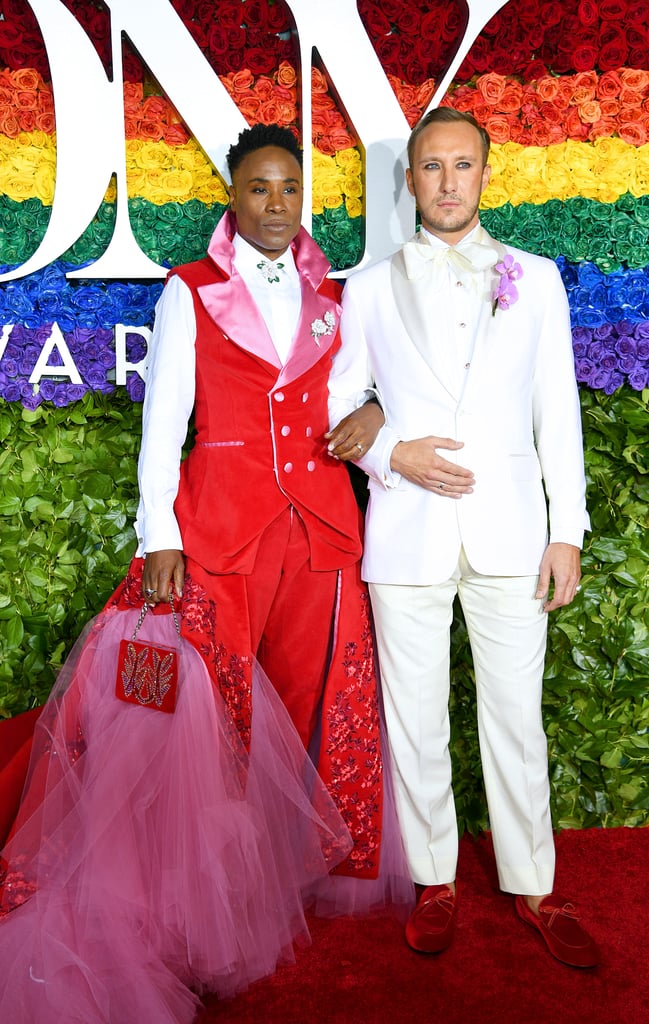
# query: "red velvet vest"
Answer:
x=259 y=449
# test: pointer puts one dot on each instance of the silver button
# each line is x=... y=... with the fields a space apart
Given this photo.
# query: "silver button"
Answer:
x=310 y=465
x=288 y=467
x=285 y=431
x=279 y=396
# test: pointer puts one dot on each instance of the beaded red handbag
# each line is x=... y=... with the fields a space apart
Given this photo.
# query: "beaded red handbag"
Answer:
x=147 y=673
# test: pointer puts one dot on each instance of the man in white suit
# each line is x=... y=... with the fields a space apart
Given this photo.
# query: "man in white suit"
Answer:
x=467 y=345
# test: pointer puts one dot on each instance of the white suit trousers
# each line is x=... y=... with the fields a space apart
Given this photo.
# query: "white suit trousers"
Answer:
x=508 y=630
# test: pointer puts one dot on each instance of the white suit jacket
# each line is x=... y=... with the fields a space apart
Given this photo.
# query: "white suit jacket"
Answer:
x=518 y=416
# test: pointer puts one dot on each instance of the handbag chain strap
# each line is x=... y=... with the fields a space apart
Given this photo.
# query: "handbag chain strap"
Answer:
x=145 y=609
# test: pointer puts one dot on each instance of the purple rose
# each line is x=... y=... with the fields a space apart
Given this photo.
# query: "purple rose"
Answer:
x=639 y=378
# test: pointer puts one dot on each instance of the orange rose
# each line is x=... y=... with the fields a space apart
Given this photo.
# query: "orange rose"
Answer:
x=46 y=100
x=156 y=108
x=26 y=100
x=27 y=79
x=227 y=83
x=286 y=75
x=499 y=128
x=610 y=107
x=318 y=81
x=634 y=79
x=175 y=134
x=341 y=138
x=425 y=93
x=511 y=98
x=575 y=127
x=462 y=99
x=322 y=101
x=540 y=133
x=603 y=129
x=45 y=121
x=264 y=89
x=481 y=111
x=132 y=96
x=150 y=130
x=9 y=124
x=249 y=106
x=324 y=145
x=584 y=86
x=547 y=88
x=27 y=120
x=609 y=85
x=551 y=114
x=564 y=92
x=284 y=93
x=590 y=112
x=633 y=132
x=131 y=127
x=491 y=88
x=6 y=96
x=286 y=112
x=269 y=112
x=242 y=80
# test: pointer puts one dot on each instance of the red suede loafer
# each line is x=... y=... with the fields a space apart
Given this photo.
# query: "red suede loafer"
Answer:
x=431 y=925
x=558 y=923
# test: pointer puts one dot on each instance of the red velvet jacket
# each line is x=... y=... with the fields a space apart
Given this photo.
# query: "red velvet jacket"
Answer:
x=260 y=428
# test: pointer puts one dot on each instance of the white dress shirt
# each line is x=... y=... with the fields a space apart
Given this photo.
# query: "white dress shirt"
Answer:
x=170 y=387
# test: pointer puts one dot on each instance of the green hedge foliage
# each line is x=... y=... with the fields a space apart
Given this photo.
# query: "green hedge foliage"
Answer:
x=67 y=504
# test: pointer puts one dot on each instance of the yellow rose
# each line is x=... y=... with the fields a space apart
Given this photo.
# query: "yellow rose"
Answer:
x=352 y=187
x=178 y=184
x=150 y=155
x=44 y=179
x=333 y=201
x=18 y=186
x=136 y=181
x=354 y=207
x=639 y=182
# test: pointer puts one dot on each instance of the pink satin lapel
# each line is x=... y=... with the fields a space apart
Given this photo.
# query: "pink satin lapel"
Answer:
x=307 y=349
x=234 y=310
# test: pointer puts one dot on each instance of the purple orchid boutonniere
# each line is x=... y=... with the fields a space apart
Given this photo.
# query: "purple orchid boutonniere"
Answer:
x=322 y=327
x=505 y=292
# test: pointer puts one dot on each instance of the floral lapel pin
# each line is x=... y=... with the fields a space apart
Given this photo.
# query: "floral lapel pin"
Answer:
x=505 y=292
x=323 y=327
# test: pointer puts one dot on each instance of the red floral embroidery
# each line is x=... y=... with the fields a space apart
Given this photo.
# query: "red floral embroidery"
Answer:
x=353 y=750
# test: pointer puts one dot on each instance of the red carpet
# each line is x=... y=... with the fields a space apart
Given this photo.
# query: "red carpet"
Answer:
x=497 y=971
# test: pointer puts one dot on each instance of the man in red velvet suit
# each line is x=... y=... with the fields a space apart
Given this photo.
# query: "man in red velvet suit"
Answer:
x=258 y=528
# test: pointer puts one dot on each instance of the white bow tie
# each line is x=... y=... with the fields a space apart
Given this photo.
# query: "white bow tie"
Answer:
x=467 y=259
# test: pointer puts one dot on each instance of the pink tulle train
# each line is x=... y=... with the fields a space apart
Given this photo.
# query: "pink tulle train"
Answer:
x=161 y=860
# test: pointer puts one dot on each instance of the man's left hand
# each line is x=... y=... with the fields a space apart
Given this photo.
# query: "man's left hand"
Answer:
x=562 y=564
x=352 y=437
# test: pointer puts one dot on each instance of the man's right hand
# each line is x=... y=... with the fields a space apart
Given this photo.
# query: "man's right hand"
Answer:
x=163 y=570
x=419 y=462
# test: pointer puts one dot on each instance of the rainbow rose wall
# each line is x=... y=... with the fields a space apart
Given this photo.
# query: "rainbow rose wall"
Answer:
x=113 y=131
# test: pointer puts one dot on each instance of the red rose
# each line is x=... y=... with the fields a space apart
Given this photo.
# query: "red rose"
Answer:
x=375 y=21
x=587 y=12
x=613 y=10
x=388 y=50
x=585 y=56
x=614 y=48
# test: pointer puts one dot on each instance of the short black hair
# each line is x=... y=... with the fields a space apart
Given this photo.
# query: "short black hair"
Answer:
x=259 y=136
x=448 y=115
